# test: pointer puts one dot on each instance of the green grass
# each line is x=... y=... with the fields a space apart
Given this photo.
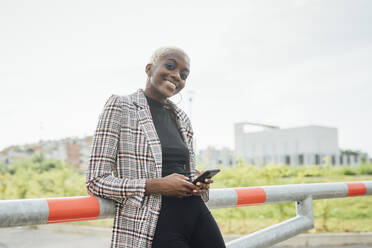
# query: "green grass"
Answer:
x=40 y=178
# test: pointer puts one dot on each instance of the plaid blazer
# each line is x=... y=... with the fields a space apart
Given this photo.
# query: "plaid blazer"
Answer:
x=126 y=151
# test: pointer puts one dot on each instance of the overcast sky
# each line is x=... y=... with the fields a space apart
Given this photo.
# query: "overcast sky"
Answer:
x=285 y=63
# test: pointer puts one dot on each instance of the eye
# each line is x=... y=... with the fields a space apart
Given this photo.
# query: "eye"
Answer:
x=170 y=65
x=184 y=75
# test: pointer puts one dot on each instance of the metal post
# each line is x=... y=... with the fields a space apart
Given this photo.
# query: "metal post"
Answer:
x=281 y=231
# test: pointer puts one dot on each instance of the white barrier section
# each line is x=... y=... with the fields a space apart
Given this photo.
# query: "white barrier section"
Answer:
x=54 y=210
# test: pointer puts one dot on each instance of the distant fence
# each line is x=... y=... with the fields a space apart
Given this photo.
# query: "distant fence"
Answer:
x=67 y=209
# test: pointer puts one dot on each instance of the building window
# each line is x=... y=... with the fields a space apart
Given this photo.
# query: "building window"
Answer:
x=333 y=160
x=301 y=159
x=317 y=159
x=348 y=159
x=287 y=160
x=341 y=159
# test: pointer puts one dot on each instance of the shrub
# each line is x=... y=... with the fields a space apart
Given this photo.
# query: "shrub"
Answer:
x=348 y=172
x=365 y=169
x=30 y=178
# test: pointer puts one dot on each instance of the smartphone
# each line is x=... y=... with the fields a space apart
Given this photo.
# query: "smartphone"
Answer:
x=206 y=174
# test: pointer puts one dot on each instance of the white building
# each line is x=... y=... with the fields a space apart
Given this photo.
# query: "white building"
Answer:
x=211 y=157
x=292 y=146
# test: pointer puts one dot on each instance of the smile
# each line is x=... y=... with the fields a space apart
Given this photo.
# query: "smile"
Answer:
x=170 y=82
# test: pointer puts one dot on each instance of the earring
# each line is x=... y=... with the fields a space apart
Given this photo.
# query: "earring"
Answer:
x=179 y=93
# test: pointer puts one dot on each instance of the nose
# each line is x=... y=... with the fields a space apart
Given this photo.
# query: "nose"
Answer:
x=175 y=74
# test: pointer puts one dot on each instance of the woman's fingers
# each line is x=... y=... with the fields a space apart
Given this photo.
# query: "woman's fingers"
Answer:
x=188 y=189
x=203 y=185
x=184 y=188
x=208 y=181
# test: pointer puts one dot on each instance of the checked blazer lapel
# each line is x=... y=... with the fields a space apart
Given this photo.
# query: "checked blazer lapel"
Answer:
x=147 y=125
x=182 y=129
x=181 y=125
x=186 y=133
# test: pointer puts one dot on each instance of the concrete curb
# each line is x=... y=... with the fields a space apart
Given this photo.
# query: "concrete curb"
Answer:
x=328 y=239
x=78 y=229
x=321 y=239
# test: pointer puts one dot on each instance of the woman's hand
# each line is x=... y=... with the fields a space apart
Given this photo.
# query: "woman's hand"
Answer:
x=202 y=187
x=175 y=185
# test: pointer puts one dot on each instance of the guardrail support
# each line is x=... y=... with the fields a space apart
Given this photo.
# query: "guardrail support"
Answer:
x=269 y=236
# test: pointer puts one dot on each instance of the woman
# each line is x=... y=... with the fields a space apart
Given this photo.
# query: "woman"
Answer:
x=142 y=158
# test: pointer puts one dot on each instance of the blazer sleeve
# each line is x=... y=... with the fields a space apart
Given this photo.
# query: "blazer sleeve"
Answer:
x=100 y=177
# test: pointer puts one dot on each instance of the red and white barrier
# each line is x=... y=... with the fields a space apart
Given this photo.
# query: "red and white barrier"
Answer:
x=46 y=211
x=238 y=197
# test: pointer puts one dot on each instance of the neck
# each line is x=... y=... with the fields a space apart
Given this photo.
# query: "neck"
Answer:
x=155 y=95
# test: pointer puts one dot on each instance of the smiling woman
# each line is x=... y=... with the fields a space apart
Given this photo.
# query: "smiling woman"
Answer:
x=167 y=73
x=142 y=158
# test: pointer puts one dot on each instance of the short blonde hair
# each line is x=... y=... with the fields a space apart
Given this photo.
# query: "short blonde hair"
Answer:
x=162 y=51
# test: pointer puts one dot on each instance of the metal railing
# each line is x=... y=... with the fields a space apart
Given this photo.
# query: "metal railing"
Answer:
x=46 y=211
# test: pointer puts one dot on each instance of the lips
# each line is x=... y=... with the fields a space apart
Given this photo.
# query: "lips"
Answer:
x=171 y=84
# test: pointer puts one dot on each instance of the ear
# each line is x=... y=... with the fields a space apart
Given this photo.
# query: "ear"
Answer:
x=148 y=69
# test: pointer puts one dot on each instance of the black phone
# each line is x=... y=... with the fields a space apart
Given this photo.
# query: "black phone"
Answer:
x=206 y=174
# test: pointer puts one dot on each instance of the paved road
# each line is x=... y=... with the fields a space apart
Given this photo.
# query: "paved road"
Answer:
x=39 y=238
x=72 y=237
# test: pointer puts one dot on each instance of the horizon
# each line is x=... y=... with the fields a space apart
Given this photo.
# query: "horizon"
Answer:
x=197 y=149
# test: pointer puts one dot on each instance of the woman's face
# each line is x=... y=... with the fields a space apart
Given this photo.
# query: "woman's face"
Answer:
x=167 y=77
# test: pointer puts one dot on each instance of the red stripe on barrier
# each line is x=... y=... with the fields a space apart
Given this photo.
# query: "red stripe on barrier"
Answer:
x=73 y=209
x=250 y=196
x=355 y=189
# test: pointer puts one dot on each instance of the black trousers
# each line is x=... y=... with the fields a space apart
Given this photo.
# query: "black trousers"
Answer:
x=186 y=223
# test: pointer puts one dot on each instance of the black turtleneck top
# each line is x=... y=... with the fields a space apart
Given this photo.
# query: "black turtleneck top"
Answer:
x=175 y=153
